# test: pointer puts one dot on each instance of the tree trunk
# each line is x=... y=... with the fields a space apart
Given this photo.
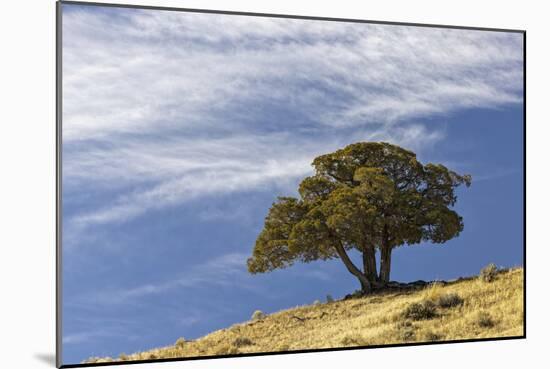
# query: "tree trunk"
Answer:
x=385 y=264
x=385 y=257
x=366 y=286
x=369 y=264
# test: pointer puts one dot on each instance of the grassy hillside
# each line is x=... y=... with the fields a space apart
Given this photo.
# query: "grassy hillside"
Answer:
x=464 y=309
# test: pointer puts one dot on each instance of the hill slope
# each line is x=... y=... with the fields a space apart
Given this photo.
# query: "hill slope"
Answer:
x=464 y=309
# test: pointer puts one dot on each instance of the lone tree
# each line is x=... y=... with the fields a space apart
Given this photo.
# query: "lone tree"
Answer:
x=368 y=196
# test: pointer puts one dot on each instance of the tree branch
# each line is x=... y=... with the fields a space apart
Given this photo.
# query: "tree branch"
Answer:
x=350 y=266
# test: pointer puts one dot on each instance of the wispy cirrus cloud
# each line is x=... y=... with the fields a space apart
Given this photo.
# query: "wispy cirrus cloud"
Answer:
x=170 y=172
x=166 y=69
x=164 y=107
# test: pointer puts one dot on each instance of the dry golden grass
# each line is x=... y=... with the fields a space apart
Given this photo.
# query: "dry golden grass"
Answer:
x=482 y=310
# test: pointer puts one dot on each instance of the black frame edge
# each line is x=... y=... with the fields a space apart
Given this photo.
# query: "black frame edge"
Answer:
x=525 y=184
x=58 y=193
x=308 y=351
x=292 y=16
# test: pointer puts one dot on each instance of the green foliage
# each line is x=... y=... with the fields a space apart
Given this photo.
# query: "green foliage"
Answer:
x=368 y=195
x=489 y=273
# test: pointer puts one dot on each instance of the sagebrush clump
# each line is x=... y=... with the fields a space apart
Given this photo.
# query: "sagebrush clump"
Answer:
x=242 y=341
x=283 y=347
x=431 y=336
x=353 y=340
x=227 y=350
x=484 y=320
x=180 y=342
x=258 y=314
x=449 y=300
x=489 y=273
x=406 y=331
x=422 y=310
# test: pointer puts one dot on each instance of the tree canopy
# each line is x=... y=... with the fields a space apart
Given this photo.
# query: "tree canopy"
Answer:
x=369 y=197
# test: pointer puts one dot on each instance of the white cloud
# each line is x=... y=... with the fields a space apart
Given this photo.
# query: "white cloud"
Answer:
x=169 y=173
x=164 y=107
x=164 y=69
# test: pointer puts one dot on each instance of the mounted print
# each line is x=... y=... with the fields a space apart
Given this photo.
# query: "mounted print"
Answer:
x=235 y=184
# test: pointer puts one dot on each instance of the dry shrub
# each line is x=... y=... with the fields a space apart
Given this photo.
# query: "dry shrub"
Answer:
x=242 y=341
x=283 y=347
x=257 y=315
x=489 y=273
x=433 y=291
x=180 y=342
x=484 y=320
x=405 y=331
x=353 y=340
x=422 y=310
x=431 y=336
x=227 y=350
x=449 y=300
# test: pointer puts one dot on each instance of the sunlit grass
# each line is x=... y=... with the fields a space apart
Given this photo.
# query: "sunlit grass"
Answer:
x=467 y=309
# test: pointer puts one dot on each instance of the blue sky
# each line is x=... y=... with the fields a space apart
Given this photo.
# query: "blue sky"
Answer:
x=181 y=129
